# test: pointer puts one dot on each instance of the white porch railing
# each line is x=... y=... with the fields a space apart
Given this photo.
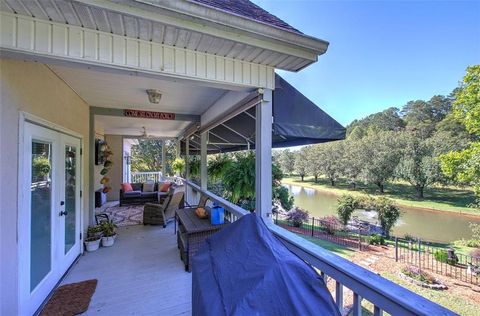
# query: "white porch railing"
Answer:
x=365 y=285
x=140 y=177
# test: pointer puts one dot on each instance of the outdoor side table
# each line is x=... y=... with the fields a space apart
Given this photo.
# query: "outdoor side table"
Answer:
x=192 y=233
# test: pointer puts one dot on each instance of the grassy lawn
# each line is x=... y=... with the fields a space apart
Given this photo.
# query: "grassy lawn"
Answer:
x=342 y=251
x=436 y=198
x=446 y=299
x=451 y=301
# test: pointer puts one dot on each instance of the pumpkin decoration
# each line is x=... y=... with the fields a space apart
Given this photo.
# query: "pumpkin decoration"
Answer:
x=201 y=212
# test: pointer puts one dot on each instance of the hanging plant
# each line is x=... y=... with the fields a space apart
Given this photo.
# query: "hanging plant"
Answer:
x=107 y=164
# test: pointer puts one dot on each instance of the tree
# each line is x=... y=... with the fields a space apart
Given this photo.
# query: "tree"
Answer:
x=314 y=162
x=301 y=162
x=353 y=160
x=423 y=116
x=383 y=153
x=286 y=160
x=330 y=160
x=388 y=214
x=147 y=155
x=418 y=164
x=464 y=166
x=387 y=120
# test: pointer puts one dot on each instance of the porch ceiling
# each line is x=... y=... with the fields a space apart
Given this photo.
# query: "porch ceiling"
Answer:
x=179 y=24
x=120 y=90
x=128 y=126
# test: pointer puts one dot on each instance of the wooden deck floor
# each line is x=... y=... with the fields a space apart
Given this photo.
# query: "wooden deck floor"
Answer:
x=142 y=274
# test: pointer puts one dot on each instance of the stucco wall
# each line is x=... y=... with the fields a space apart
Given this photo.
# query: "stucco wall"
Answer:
x=33 y=88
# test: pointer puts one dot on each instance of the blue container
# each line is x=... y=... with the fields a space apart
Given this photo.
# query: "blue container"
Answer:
x=217 y=215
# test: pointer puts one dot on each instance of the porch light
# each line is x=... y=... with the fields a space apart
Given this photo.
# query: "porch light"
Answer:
x=154 y=96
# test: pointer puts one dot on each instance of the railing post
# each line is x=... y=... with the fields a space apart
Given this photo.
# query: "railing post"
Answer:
x=419 y=253
x=313 y=224
x=396 y=249
x=339 y=295
x=357 y=305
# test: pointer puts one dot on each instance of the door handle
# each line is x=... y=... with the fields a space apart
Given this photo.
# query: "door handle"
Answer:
x=63 y=213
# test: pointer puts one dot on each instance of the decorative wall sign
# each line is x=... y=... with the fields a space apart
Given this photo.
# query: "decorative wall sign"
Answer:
x=149 y=114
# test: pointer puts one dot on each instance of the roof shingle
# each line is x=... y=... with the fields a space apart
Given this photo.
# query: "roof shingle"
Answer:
x=250 y=10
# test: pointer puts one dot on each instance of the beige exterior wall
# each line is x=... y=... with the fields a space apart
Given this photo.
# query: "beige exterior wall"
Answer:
x=115 y=142
x=35 y=89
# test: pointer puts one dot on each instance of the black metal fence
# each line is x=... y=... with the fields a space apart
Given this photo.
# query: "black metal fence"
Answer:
x=327 y=229
x=442 y=261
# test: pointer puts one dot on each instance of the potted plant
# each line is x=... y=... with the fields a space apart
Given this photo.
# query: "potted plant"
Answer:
x=109 y=231
x=94 y=234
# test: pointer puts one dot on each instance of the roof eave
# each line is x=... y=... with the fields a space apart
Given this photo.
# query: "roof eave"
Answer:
x=229 y=19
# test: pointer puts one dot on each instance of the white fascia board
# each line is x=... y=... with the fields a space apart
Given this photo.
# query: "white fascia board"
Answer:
x=203 y=19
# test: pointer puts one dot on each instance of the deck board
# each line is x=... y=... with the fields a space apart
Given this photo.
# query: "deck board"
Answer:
x=142 y=274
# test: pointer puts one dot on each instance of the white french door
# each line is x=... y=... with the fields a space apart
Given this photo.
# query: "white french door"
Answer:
x=49 y=218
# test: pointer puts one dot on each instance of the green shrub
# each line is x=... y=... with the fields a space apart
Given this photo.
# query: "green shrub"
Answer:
x=376 y=239
x=346 y=205
x=41 y=167
x=442 y=256
x=388 y=214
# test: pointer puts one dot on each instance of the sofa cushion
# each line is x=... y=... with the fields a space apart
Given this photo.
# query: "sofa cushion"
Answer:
x=148 y=187
x=127 y=187
x=132 y=194
x=149 y=194
x=165 y=187
x=137 y=186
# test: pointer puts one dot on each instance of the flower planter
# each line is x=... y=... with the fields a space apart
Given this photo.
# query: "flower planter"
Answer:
x=108 y=241
x=92 y=245
x=437 y=285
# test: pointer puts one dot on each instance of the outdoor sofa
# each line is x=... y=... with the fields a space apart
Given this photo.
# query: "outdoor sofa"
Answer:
x=138 y=196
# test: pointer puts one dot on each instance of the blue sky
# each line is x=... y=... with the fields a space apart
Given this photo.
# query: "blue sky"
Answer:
x=382 y=53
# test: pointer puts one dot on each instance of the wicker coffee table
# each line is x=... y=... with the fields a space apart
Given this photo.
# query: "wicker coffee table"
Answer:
x=192 y=232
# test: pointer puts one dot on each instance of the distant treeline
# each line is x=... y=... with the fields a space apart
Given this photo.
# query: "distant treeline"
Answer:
x=396 y=143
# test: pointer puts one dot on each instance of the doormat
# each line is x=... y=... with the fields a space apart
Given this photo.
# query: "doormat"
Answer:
x=70 y=299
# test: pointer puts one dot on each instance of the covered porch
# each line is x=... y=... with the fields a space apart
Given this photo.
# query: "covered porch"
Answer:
x=84 y=68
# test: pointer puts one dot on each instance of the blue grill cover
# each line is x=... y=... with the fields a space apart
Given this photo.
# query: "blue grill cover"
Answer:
x=245 y=270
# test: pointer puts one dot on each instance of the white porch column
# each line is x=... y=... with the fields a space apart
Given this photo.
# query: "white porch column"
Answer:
x=164 y=158
x=187 y=158
x=203 y=160
x=187 y=171
x=178 y=148
x=263 y=157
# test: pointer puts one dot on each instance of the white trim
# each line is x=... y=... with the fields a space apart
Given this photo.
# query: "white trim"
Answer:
x=24 y=118
x=206 y=19
x=67 y=42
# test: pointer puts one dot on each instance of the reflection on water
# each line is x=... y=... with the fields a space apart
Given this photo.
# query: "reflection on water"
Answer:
x=434 y=226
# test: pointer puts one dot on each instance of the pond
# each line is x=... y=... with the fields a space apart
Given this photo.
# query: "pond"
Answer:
x=427 y=225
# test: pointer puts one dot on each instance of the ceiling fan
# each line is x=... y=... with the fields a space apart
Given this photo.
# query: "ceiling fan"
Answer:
x=144 y=133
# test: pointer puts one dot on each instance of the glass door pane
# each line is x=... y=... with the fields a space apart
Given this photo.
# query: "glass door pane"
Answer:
x=40 y=209
x=70 y=196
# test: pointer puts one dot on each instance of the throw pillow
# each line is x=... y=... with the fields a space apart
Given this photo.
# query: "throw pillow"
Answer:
x=127 y=187
x=148 y=187
x=165 y=187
